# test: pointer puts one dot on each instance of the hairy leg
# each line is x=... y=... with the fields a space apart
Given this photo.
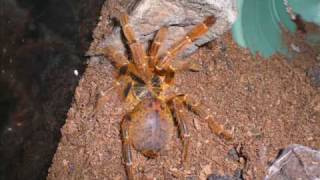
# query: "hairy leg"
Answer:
x=126 y=28
x=198 y=31
x=201 y=111
x=127 y=147
x=120 y=62
x=184 y=132
x=156 y=45
x=113 y=55
x=170 y=71
x=213 y=124
x=122 y=85
x=187 y=65
x=137 y=50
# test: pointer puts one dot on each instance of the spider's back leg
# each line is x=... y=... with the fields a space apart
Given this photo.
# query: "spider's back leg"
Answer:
x=182 y=124
x=127 y=148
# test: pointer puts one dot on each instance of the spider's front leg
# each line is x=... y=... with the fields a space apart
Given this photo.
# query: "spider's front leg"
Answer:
x=123 y=86
x=113 y=55
x=195 y=33
x=137 y=50
x=119 y=61
x=127 y=147
x=156 y=45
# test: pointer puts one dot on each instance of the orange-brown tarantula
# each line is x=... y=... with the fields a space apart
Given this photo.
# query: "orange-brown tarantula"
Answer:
x=144 y=80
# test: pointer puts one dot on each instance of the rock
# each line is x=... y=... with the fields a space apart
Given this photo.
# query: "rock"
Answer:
x=179 y=16
x=314 y=74
x=295 y=162
x=219 y=177
x=237 y=176
x=233 y=154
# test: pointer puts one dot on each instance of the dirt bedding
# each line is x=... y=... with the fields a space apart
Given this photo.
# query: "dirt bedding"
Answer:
x=269 y=104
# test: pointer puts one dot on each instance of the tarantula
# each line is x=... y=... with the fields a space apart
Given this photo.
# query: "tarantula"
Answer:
x=144 y=81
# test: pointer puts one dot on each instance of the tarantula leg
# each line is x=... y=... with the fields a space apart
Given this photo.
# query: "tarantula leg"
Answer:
x=169 y=76
x=156 y=45
x=120 y=61
x=214 y=125
x=184 y=132
x=170 y=71
x=185 y=66
x=127 y=29
x=218 y=128
x=122 y=84
x=191 y=36
x=127 y=148
x=137 y=50
x=140 y=59
x=116 y=58
x=125 y=84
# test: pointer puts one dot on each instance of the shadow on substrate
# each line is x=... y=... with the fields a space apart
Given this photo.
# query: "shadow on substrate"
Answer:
x=42 y=43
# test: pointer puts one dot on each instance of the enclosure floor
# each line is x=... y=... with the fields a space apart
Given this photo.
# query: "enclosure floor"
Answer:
x=269 y=103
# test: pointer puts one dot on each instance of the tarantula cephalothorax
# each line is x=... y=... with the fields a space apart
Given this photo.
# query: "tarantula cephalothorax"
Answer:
x=144 y=80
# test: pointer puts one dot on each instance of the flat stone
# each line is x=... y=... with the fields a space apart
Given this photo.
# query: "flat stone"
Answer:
x=295 y=162
x=148 y=16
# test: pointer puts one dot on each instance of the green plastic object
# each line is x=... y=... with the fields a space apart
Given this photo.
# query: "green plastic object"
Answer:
x=308 y=9
x=258 y=26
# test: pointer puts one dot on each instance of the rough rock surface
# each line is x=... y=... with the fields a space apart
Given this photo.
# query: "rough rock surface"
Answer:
x=296 y=162
x=146 y=18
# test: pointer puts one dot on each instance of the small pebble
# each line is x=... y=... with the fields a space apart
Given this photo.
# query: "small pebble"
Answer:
x=206 y=170
x=317 y=108
x=65 y=162
x=233 y=154
x=198 y=144
x=174 y=169
x=75 y=72
x=295 y=48
x=310 y=138
x=242 y=160
x=196 y=124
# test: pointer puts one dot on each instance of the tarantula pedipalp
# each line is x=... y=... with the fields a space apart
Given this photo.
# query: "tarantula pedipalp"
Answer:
x=144 y=80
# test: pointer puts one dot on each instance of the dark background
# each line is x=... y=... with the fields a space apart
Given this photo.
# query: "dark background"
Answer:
x=42 y=42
